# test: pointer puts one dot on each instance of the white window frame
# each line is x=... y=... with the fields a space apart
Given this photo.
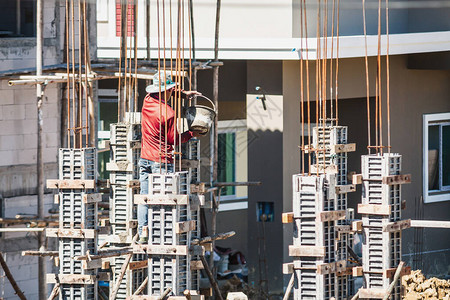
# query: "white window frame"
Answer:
x=429 y=119
x=230 y=126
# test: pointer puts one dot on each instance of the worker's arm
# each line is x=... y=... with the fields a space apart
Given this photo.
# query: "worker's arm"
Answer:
x=186 y=136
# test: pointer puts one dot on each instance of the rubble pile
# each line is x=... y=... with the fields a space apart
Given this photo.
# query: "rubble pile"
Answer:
x=417 y=287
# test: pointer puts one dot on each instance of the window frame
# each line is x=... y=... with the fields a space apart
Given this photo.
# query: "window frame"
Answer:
x=232 y=126
x=430 y=120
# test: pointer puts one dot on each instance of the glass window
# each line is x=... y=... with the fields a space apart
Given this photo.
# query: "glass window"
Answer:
x=437 y=157
x=17 y=18
x=226 y=161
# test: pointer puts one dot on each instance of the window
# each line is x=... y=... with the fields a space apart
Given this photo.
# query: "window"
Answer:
x=17 y=18
x=436 y=157
x=232 y=157
x=130 y=17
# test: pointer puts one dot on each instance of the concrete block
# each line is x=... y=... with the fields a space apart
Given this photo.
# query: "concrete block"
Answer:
x=25 y=95
x=8 y=157
x=11 y=142
x=30 y=141
x=51 y=125
x=30 y=111
x=27 y=156
x=51 y=140
x=6 y=94
x=50 y=155
x=50 y=110
x=14 y=112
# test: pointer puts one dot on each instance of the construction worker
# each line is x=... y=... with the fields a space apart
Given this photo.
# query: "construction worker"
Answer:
x=158 y=138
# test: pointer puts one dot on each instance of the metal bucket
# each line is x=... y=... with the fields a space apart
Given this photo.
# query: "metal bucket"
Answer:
x=200 y=117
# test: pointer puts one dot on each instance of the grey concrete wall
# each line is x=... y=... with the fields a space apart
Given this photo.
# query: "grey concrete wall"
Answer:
x=413 y=93
x=404 y=17
x=265 y=164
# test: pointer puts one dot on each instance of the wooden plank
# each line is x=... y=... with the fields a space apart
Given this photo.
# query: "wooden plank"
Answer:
x=135 y=265
x=160 y=249
x=287 y=217
x=357 y=271
x=344 y=148
x=71 y=279
x=345 y=272
x=397 y=226
x=198 y=188
x=396 y=179
x=122 y=166
x=288 y=268
x=374 y=209
x=306 y=251
x=348 y=188
x=104 y=230
x=106 y=264
x=430 y=224
x=92 y=198
x=357 y=226
x=71 y=233
x=371 y=293
x=103 y=276
x=326 y=216
x=70 y=184
x=333 y=267
x=331 y=169
x=198 y=249
x=91 y=264
x=357 y=179
x=343 y=228
x=196 y=265
x=133 y=184
x=161 y=199
x=389 y=273
x=190 y=163
x=182 y=227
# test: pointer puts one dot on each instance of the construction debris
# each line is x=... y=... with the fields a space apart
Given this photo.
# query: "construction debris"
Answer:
x=417 y=287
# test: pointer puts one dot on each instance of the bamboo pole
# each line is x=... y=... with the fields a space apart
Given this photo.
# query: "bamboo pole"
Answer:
x=8 y=274
x=209 y=239
x=39 y=253
x=165 y=294
x=55 y=292
x=394 y=280
x=211 y=278
x=141 y=287
x=122 y=273
x=289 y=287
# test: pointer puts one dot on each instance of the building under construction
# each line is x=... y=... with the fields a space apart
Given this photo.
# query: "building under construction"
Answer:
x=322 y=171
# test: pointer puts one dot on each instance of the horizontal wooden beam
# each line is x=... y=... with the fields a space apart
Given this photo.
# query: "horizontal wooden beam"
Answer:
x=357 y=271
x=161 y=199
x=396 y=179
x=357 y=226
x=343 y=189
x=326 y=216
x=199 y=188
x=182 y=227
x=40 y=253
x=135 y=265
x=334 y=267
x=287 y=217
x=91 y=264
x=196 y=265
x=71 y=233
x=389 y=273
x=371 y=293
x=70 y=184
x=190 y=163
x=160 y=249
x=121 y=166
x=357 y=179
x=331 y=169
x=430 y=224
x=306 y=251
x=288 y=268
x=397 y=226
x=344 y=148
x=71 y=278
x=92 y=198
x=374 y=209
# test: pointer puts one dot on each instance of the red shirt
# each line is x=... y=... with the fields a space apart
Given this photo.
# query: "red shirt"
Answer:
x=156 y=118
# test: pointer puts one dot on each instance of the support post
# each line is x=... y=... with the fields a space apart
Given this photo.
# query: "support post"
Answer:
x=40 y=165
x=8 y=274
x=394 y=281
x=289 y=287
x=211 y=278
